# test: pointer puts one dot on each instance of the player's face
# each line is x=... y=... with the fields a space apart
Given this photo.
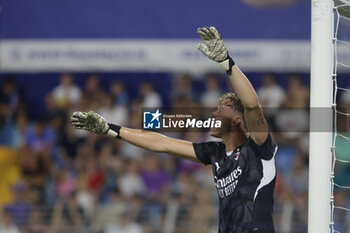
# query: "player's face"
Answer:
x=228 y=118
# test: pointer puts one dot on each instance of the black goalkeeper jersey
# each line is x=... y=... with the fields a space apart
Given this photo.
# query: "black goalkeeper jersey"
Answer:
x=245 y=182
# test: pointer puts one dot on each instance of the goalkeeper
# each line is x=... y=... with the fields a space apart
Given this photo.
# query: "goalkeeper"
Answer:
x=243 y=163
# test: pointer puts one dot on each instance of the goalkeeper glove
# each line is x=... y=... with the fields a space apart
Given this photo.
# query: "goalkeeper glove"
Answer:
x=93 y=122
x=214 y=48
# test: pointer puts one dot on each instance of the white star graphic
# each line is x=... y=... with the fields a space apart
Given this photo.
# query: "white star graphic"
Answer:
x=156 y=115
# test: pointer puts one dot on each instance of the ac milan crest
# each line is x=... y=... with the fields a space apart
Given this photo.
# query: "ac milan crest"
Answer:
x=236 y=156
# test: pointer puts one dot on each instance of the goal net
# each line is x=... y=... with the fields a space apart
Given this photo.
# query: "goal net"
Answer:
x=340 y=170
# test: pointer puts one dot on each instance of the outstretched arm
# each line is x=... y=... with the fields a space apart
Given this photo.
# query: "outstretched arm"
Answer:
x=215 y=49
x=159 y=143
x=148 y=140
x=256 y=123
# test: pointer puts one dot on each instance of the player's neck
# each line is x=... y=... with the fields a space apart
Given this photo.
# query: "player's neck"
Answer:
x=233 y=140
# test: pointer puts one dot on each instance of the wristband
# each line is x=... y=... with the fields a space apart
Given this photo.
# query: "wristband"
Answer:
x=113 y=131
x=227 y=64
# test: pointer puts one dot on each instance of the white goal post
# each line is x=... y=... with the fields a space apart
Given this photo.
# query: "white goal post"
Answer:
x=321 y=94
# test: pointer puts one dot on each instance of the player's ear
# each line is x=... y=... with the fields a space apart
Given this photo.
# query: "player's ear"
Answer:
x=236 y=121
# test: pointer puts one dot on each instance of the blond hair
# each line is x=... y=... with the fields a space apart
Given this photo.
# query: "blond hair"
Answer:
x=231 y=99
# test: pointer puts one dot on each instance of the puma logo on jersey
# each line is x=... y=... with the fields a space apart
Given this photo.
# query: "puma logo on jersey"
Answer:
x=217 y=166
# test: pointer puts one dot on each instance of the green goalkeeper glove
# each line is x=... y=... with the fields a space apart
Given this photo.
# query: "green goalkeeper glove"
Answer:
x=90 y=121
x=214 y=48
x=94 y=122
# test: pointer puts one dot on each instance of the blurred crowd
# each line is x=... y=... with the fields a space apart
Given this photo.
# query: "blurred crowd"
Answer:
x=74 y=181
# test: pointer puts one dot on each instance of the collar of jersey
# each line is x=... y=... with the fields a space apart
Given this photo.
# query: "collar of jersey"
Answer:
x=238 y=149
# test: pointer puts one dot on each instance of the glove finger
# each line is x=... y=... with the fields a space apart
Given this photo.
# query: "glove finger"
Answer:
x=85 y=128
x=204 y=49
x=77 y=126
x=202 y=34
x=79 y=115
x=75 y=120
x=205 y=29
x=215 y=32
x=77 y=123
x=200 y=29
x=209 y=33
x=81 y=128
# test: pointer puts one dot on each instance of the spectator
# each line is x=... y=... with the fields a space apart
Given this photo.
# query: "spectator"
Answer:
x=65 y=185
x=212 y=91
x=20 y=209
x=342 y=148
x=154 y=176
x=202 y=213
x=270 y=94
x=130 y=182
x=127 y=150
x=297 y=93
x=291 y=123
x=124 y=225
x=150 y=98
x=40 y=138
x=111 y=211
x=19 y=130
x=68 y=142
x=137 y=209
x=293 y=119
x=52 y=109
x=345 y=97
x=96 y=178
x=36 y=222
x=7 y=225
x=85 y=198
x=67 y=217
x=202 y=177
x=183 y=88
x=92 y=92
x=297 y=186
x=14 y=135
x=9 y=99
x=182 y=220
x=112 y=112
x=118 y=93
x=72 y=212
x=156 y=181
x=66 y=93
x=341 y=218
x=271 y=97
x=9 y=106
x=35 y=169
x=297 y=178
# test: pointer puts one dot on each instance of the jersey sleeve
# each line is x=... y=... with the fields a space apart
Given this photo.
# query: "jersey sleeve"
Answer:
x=205 y=151
x=267 y=150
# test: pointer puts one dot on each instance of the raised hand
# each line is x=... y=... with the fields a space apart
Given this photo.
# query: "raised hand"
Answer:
x=90 y=121
x=213 y=47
